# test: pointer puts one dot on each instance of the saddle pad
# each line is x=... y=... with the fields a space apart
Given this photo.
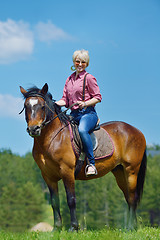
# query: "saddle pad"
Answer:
x=105 y=147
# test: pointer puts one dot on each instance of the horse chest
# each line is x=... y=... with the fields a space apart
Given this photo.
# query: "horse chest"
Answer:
x=47 y=166
x=43 y=161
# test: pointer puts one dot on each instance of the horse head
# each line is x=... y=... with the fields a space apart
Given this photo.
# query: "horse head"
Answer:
x=36 y=108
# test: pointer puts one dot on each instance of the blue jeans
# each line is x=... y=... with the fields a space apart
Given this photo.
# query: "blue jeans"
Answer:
x=87 y=119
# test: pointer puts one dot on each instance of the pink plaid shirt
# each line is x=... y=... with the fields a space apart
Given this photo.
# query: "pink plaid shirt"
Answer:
x=73 y=89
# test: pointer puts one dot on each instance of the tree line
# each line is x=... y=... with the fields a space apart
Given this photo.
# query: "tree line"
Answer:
x=24 y=197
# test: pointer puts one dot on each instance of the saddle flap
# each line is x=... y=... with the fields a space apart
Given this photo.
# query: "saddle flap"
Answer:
x=102 y=143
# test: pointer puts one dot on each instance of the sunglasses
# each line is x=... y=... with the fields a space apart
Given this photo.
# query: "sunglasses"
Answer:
x=77 y=62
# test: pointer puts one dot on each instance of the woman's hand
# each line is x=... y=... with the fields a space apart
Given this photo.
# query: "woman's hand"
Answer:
x=60 y=103
x=81 y=104
x=91 y=102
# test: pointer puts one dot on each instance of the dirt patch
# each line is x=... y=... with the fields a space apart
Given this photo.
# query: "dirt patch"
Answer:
x=42 y=227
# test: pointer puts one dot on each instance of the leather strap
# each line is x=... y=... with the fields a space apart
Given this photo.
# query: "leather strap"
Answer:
x=84 y=86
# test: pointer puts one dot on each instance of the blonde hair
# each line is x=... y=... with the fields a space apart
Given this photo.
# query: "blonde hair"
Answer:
x=82 y=55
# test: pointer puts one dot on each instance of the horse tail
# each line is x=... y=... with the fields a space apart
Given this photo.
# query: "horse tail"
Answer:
x=141 y=178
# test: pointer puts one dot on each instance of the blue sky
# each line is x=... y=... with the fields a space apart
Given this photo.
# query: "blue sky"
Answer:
x=38 y=38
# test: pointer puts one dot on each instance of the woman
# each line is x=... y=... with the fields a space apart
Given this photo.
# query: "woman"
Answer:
x=86 y=96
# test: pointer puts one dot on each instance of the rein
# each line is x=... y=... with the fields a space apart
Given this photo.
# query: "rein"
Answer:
x=44 y=123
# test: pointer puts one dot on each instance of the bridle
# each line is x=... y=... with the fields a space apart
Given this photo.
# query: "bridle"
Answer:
x=45 y=123
x=33 y=95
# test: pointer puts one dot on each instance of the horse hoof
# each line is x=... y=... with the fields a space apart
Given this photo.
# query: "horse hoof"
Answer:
x=56 y=229
x=73 y=229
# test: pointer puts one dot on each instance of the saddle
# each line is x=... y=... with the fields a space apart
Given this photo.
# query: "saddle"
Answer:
x=102 y=143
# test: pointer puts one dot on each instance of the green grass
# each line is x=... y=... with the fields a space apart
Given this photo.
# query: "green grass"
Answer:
x=105 y=234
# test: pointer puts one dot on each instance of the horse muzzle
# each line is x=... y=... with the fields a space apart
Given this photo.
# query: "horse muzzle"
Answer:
x=34 y=131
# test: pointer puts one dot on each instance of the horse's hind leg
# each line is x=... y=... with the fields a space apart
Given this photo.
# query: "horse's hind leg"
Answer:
x=135 y=174
x=125 y=183
x=121 y=180
x=132 y=199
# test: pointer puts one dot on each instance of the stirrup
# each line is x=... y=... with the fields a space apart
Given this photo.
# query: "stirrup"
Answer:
x=90 y=174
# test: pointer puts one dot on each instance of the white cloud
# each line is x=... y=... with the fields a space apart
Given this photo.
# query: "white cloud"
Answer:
x=47 y=32
x=10 y=106
x=16 y=41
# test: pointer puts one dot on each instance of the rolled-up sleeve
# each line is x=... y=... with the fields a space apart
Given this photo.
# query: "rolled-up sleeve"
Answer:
x=93 y=87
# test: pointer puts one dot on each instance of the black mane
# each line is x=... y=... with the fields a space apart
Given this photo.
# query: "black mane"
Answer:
x=34 y=91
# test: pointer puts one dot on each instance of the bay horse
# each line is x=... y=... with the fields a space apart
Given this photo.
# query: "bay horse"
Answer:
x=53 y=153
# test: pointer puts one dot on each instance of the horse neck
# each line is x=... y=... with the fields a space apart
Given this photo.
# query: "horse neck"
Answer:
x=51 y=132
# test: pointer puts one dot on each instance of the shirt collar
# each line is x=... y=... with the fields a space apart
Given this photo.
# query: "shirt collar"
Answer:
x=81 y=74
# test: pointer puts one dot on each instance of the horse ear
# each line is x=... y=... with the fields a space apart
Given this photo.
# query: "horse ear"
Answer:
x=23 y=91
x=44 y=90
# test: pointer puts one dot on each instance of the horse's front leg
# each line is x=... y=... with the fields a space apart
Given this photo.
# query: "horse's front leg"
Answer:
x=69 y=183
x=53 y=188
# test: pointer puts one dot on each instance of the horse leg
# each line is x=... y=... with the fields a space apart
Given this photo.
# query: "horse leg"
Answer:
x=132 y=218
x=55 y=206
x=69 y=184
x=133 y=198
x=135 y=178
x=132 y=203
x=122 y=181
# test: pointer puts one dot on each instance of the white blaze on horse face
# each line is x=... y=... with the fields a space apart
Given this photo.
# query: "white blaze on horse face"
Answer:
x=32 y=103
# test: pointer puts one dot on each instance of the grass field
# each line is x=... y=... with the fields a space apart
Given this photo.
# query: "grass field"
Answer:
x=105 y=234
